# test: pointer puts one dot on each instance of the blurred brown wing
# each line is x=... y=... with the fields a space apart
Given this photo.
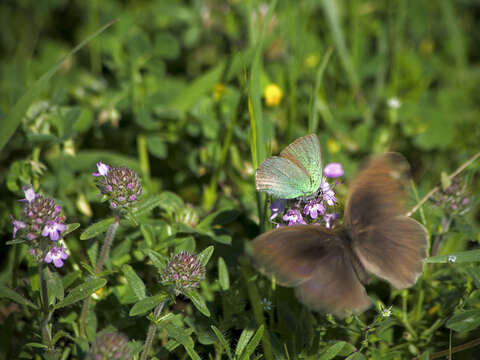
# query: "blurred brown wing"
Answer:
x=393 y=250
x=387 y=243
x=378 y=192
x=318 y=261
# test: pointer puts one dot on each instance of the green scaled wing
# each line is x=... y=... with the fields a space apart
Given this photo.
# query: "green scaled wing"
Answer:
x=296 y=172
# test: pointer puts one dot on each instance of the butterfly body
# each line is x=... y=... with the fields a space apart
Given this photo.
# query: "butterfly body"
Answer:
x=328 y=267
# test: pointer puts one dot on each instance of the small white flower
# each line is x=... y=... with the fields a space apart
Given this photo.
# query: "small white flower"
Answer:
x=387 y=312
x=29 y=194
x=394 y=103
x=452 y=258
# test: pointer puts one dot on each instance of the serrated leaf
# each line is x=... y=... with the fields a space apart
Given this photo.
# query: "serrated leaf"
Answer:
x=223 y=277
x=456 y=257
x=464 y=321
x=332 y=351
x=205 y=255
x=198 y=302
x=81 y=292
x=252 y=345
x=134 y=281
x=147 y=304
x=96 y=229
x=223 y=341
x=8 y=293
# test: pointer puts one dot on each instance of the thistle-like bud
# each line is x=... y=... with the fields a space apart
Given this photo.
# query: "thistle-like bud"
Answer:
x=42 y=225
x=110 y=346
x=185 y=271
x=120 y=185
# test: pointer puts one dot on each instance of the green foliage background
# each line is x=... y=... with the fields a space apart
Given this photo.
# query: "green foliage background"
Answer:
x=175 y=90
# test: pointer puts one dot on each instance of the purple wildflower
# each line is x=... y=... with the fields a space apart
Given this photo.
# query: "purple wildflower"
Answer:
x=185 y=271
x=293 y=217
x=313 y=208
x=327 y=193
x=17 y=225
x=53 y=229
x=333 y=170
x=103 y=169
x=330 y=219
x=56 y=255
x=30 y=194
x=120 y=185
x=277 y=207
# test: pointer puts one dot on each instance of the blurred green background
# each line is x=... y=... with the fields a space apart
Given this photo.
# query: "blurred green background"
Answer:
x=173 y=89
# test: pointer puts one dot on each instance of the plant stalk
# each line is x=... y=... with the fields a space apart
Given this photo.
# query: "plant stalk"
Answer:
x=152 y=330
x=46 y=335
x=112 y=229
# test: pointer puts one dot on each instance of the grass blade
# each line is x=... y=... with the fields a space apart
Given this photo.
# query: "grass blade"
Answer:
x=15 y=116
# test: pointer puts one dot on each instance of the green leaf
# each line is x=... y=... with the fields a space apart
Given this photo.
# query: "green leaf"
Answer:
x=198 y=302
x=223 y=276
x=97 y=228
x=192 y=353
x=220 y=217
x=356 y=356
x=8 y=293
x=223 y=341
x=157 y=147
x=464 y=321
x=70 y=228
x=15 y=242
x=245 y=337
x=332 y=351
x=16 y=114
x=445 y=180
x=252 y=345
x=205 y=255
x=158 y=260
x=134 y=281
x=146 y=304
x=81 y=292
x=457 y=257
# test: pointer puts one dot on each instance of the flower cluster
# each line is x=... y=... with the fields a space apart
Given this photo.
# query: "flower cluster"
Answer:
x=455 y=198
x=110 y=346
x=312 y=209
x=185 y=271
x=120 y=185
x=41 y=225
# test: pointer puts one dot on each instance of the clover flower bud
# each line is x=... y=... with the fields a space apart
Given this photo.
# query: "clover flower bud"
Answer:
x=110 y=346
x=185 y=271
x=120 y=185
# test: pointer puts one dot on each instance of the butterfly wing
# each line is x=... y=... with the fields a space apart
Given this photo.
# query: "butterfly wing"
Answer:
x=315 y=260
x=306 y=153
x=394 y=250
x=282 y=178
x=388 y=244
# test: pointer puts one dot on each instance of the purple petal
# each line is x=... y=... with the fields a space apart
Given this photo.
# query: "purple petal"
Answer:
x=333 y=170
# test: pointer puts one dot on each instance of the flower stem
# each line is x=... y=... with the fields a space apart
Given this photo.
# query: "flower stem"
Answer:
x=436 y=188
x=46 y=335
x=152 y=330
x=112 y=229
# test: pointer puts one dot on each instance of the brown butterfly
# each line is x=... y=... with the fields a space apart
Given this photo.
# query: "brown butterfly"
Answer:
x=327 y=267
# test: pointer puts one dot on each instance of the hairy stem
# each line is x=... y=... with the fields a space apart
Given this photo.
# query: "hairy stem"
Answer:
x=46 y=335
x=112 y=229
x=152 y=330
x=436 y=188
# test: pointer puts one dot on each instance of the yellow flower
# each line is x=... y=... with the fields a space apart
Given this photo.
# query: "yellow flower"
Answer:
x=218 y=91
x=273 y=95
x=333 y=146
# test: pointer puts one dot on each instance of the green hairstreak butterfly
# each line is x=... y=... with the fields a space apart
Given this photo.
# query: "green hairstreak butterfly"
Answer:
x=296 y=172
